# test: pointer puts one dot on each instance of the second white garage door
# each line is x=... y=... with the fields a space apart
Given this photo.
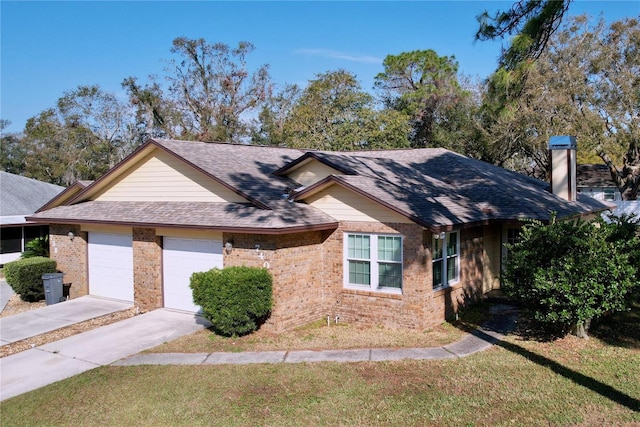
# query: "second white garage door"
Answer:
x=181 y=257
x=111 y=265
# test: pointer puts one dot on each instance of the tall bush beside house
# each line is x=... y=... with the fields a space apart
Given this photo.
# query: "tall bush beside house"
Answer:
x=236 y=300
x=624 y=231
x=569 y=273
x=25 y=276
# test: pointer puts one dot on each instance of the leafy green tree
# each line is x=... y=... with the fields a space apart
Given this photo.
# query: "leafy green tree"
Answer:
x=210 y=91
x=334 y=113
x=531 y=21
x=89 y=132
x=12 y=151
x=584 y=84
x=425 y=87
x=269 y=129
x=569 y=272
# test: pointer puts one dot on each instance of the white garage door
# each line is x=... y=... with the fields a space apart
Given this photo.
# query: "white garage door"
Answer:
x=181 y=257
x=111 y=265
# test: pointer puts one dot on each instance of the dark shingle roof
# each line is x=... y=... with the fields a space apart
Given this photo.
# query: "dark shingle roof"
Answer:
x=227 y=216
x=22 y=196
x=442 y=188
x=247 y=168
x=433 y=187
x=594 y=176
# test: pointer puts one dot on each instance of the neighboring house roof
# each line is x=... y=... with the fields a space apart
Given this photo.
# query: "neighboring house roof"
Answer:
x=595 y=176
x=65 y=195
x=629 y=207
x=20 y=196
x=432 y=187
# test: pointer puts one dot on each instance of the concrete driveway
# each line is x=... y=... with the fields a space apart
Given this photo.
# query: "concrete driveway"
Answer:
x=46 y=319
x=40 y=366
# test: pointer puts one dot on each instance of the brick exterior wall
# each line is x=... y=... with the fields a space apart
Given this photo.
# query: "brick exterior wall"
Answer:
x=71 y=256
x=379 y=308
x=147 y=269
x=447 y=302
x=295 y=262
x=307 y=270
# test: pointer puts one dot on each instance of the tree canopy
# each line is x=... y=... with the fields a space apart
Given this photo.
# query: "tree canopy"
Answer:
x=533 y=22
x=210 y=89
x=584 y=84
x=578 y=78
x=334 y=113
x=424 y=86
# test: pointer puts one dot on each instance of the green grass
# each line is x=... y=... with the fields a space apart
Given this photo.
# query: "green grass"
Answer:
x=520 y=382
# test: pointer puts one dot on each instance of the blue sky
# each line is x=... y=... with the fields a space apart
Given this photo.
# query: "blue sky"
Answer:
x=52 y=47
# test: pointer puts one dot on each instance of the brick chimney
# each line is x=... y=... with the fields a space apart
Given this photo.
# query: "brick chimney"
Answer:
x=562 y=153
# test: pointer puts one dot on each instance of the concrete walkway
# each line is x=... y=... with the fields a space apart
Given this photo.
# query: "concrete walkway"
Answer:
x=502 y=322
x=46 y=319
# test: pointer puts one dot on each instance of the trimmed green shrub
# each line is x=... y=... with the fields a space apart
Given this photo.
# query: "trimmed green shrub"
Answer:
x=568 y=273
x=25 y=276
x=236 y=300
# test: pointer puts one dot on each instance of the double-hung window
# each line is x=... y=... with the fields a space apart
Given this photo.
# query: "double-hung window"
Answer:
x=446 y=259
x=373 y=262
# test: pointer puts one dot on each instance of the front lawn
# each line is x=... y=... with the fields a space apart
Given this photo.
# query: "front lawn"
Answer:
x=520 y=382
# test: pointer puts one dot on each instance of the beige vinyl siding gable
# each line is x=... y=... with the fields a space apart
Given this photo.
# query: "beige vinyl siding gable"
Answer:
x=312 y=172
x=160 y=176
x=345 y=205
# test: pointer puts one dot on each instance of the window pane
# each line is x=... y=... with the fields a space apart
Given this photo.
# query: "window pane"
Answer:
x=10 y=240
x=390 y=248
x=437 y=274
x=452 y=269
x=31 y=233
x=359 y=246
x=437 y=249
x=390 y=275
x=452 y=244
x=359 y=272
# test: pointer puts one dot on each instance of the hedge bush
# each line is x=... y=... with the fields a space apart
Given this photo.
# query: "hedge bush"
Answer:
x=570 y=272
x=25 y=276
x=236 y=300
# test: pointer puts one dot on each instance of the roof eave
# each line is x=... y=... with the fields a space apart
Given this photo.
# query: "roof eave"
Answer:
x=224 y=228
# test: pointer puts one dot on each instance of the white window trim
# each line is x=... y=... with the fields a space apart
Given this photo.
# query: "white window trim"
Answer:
x=445 y=259
x=373 y=241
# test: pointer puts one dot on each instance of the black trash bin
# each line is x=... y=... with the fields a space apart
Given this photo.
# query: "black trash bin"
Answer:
x=52 y=287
